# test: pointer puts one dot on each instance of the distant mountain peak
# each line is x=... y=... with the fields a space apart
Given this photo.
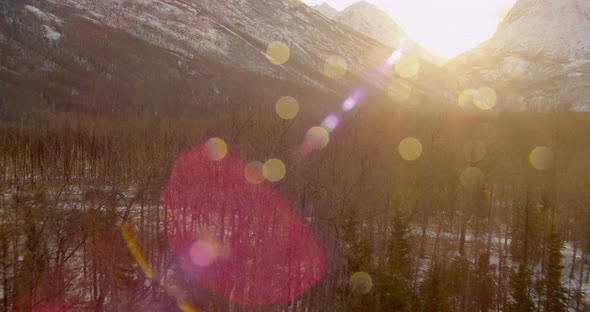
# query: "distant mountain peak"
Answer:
x=539 y=57
x=326 y=10
x=552 y=28
x=368 y=8
x=372 y=22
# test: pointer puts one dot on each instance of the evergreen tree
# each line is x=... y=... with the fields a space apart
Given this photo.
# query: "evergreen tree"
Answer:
x=394 y=279
x=555 y=293
x=459 y=271
x=357 y=255
x=357 y=249
x=519 y=283
x=483 y=289
x=526 y=240
x=434 y=294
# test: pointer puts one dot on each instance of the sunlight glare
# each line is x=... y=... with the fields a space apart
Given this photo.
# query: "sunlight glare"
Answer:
x=395 y=56
x=486 y=133
x=133 y=245
x=203 y=253
x=361 y=283
x=399 y=91
x=335 y=67
x=253 y=173
x=407 y=66
x=330 y=123
x=471 y=177
x=215 y=149
x=448 y=27
x=318 y=137
x=485 y=98
x=274 y=170
x=474 y=151
x=356 y=97
x=278 y=53
x=466 y=97
x=287 y=107
x=186 y=307
x=348 y=104
x=541 y=158
x=410 y=149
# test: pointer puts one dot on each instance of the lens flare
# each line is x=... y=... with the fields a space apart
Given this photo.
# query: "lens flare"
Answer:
x=278 y=53
x=131 y=240
x=203 y=253
x=318 y=137
x=186 y=307
x=396 y=55
x=287 y=107
x=234 y=239
x=274 y=170
x=361 y=283
x=474 y=151
x=466 y=98
x=541 y=158
x=471 y=177
x=485 y=98
x=253 y=173
x=486 y=134
x=215 y=149
x=410 y=149
x=407 y=66
x=348 y=105
x=330 y=123
x=335 y=67
x=399 y=91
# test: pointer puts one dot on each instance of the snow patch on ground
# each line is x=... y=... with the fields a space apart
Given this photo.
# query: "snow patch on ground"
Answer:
x=51 y=33
x=47 y=17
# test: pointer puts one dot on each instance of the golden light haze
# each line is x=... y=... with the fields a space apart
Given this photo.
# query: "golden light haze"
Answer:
x=444 y=27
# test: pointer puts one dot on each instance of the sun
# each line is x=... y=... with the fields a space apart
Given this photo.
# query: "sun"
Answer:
x=448 y=27
x=444 y=27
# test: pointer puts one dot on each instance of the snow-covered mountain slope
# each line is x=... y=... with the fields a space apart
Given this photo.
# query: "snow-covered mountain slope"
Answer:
x=326 y=10
x=374 y=23
x=539 y=58
x=557 y=29
x=178 y=55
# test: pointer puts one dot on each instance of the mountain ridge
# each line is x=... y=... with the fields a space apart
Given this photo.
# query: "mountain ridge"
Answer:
x=326 y=10
x=373 y=22
x=176 y=56
x=539 y=57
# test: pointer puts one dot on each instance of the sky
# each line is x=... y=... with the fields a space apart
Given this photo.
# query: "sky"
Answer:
x=444 y=27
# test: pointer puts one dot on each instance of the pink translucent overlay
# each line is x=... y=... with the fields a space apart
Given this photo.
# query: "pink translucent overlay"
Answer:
x=238 y=239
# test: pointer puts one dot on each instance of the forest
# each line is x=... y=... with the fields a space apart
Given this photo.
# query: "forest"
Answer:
x=413 y=209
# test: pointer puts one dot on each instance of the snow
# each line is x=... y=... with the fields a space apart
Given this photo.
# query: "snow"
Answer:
x=556 y=29
x=372 y=22
x=326 y=10
x=51 y=33
x=542 y=43
x=42 y=15
x=36 y=11
x=376 y=24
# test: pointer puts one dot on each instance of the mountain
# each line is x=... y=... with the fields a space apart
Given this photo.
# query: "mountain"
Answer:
x=539 y=57
x=375 y=23
x=326 y=10
x=179 y=57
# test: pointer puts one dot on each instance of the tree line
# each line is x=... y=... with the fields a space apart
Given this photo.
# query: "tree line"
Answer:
x=470 y=225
